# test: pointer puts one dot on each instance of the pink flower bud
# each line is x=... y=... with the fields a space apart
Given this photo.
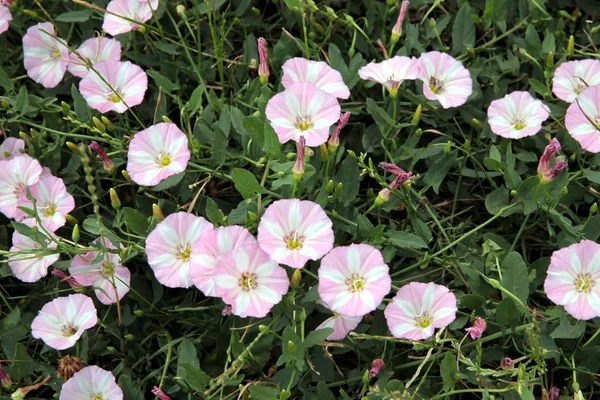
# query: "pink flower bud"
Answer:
x=507 y=364
x=159 y=393
x=263 y=66
x=545 y=171
x=298 y=169
x=397 y=29
x=376 y=366
x=554 y=393
x=477 y=329
x=226 y=310
x=69 y=279
x=107 y=162
x=401 y=175
x=334 y=141
x=5 y=380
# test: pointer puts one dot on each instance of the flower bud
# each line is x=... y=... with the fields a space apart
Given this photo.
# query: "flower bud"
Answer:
x=115 y=202
x=107 y=163
x=227 y=310
x=477 y=124
x=594 y=209
x=448 y=147
x=298 y=169
x=376 y=366
x=158 y=391
x=98 y=124
x=5 y=379
x=129 y=337
x=126 y=176
x=75 y=234
x=550 y=60
x=545 y=171
x=139 y=313
x=476 y=331
x=5 y=103
x=74 y=148
x=324 y=152
x=157 y=213
x=71 y=219
x=507 y=364
x=263 y=66
x=417 y=116
x=339 y=188
x=329 y=186
x=334 y=141
x=397 y=29
x=571 y=45
x=291 y=346
x=180 y=10
x=263 y=328
x=296 y=278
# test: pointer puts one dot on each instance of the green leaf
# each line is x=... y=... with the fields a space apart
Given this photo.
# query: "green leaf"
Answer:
x=261 y=392
x=168 y=183
x=406 y=240
x=294 y=5
x=213 y=212
x=496 y=200
x=271 y=145
x=533 y=44
x=135 y=221
x=515 y=276
x=163 y=82
x=254 y=127
x=349 y=176
x=448 y=371
x=245 y=182
x=463 y=30
x=5 y=81
x=75 y=16
x=382 y=119
x=22 y=365
x=315 y=337
x=539 y=87
x=194 y=376
x=130 y=390
x=186 y=355
x=567 y=331
x=437 y=172
x=507 y=312
x=22 y=100
x=472 y=301
x=82 y=111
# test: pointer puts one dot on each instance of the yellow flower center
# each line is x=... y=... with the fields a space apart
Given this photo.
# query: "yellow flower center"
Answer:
x=97 y=397
x=584 y=283
x=303 y=123
x=435 y=85
x=355 y=283
x=50 y=210
x=56 y=54
x=294 y=241
x=248 y=281
x=108 y=269
x=164 y=160
x=423 y=321
x=114 y=98
x=519 y=124
x=69 y=330
x=7 y=154
x=185 y=252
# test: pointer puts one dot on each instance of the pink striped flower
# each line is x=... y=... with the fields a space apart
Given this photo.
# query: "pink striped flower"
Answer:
x=517 y=115
x=103 y=270
x=476 y=331
x=93 y=51
x=91 y=383
x=136 y=10
x=334 y=140
x=127 y=84
x=11 y=147
x=583 y=119
x=158 y=392
x=573 y=279
x=16 y=174
x=157 y=153
x=418 y=309
x=322 y=75
x=546 y=172
x=61 y=322
x=53 y=202
x=294 y=231
x=392 y=72
x=397 y=29
x=445 y=79
x=263 y=56
x=5 y=18
x=46 y=57
x=28 y=261
x=250 y=281
x=303 y=110
x=353 y=280
x=572 y=77
x=213 y=244
x=341 y=326
x=172 y=248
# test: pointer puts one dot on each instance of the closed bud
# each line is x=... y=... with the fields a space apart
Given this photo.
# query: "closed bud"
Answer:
x=114 y=199
x=382 y=197
x=263 y=66
x=33 y=133
x=111 y=349
x=284 y=395
x=5 y=103
x=467 y=145
x=109 y=125
x=339 y=188
x=329 y=187
x=252 y=217
x=180 y=10
x=129 y=337
x=166 y=119
x=550 y=60
x=65 y=106
x=419 y=132
x=365 y=378
x=448 y=147
x=324 y=151
x=98 y=124
x=157 y=213
x=263 y=328
x=417 y=116
x=75 y=235
x=507 y=364
x=74 y=148
x=126 y=176
x=5 y=379
x=139 y=313
x=296 y=278
x=477 y=124
x=25 y=136
x=594 y=209
x=571 y=45
x=71 y=219
x=291 y=346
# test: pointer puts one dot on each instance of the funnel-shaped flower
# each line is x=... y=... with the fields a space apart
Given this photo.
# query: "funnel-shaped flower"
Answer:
x=92 y=383
x=28 y=261
x=517 y=115
x=93 y=51
x=322 y=75
x=121 y=14
x=341 y=325
x=16 y=174
x=572 y=77
x=5 y=18
x=52 y=202
x=546 y=172
x=46 y=57
x=583 y=119
x=11 y=147
x=445 y=79
x=392 y=72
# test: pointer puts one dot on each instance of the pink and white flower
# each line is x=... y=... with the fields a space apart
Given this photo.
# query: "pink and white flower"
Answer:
x=546 y=172
x=28 y=261
x=250 y=281
x=263 y=57
x=11 y=147
x=53 y=202
x=103 y=270
x=136 y=10
x=16 y=174
x=213 y=244
x=341 y=326
x=61 y=322
x=445 y=79
x=418 y=309
x=392 y=72
x=294 y=231
x=172 y=248
x=583 y=119
x=353 y=280
x=93 y=51
x=572 y=77
x=397 y=29
x=5 y=18
x=46 y=57
x=322 y=75
x=517 y=115
x=303 y=110
x=127 y=84
x=157 y=153
x=573 y=279
x=91 y=383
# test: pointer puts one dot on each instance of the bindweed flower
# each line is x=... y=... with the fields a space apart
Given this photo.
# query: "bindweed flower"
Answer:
x=214 y=243
x=334 y=140
x=102 y=269
x=401 y=178
x=573 y=279
x=68 y=366
x=27 y=260
x=5 y=18
x=507 y=364
x=16 y=174
x=159 y=393
x=11 y=147
x=298 y=168
x=545 y=171
x=46 y=58
x=263 y=66
x=476 y=331
x=157 y=153
x=250 y=281
x=91 y=383
x=583 y=119
x=93 y=51
x=67 y=278
x=52 y=203
x=353 y=280
x=114 y=86
x=341 y=325
x=392 y=72
x=5 y=379
x=136 y=10
x=397 y=29
x=172 y=248
x=376 y=366
x=322 y=75
x=517 y=115
x=572 y=77
x=554 y=393
x=445 y=79
x=294 y=231
x=303 y=110
x=61 y=322
x=418 y=309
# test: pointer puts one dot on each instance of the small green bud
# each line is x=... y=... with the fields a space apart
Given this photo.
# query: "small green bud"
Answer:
x=114 y=199
x=467 y=145
x=262 y=328
x=157 y=213
x=139 y=313
x=477 y=124
x=594 y=209
x=180 y=10
x=65 y=106
x=74 y=148
x=166 y=119
x=329 y=187
x=324 y=151
x=5 y=103
x=339 y=189
x=71 y=219
x=550 y=60
x=291 y=346
x=126 y=176
x=417 y=116
x=129 y=337
x=419 y=132
x=75 y=235
x=365 y=378
x=448 y=147
x=284 y=395
x=98 y=124
x=111 y=349
x=109 y=125
x=252 y=217
x=571 y=45
x=296 y=278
